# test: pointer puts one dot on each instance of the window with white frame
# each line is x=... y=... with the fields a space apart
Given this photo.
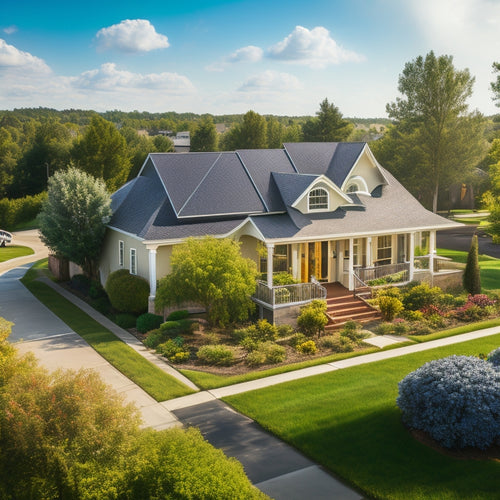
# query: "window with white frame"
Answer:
x=318 y=199
x=133 y=261
x=121 y=253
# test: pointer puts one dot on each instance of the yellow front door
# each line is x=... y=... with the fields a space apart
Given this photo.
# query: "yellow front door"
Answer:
x=314 y=261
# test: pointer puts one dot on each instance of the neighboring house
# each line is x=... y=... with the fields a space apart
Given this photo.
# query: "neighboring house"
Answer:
x=182 y=142
x=325 y=212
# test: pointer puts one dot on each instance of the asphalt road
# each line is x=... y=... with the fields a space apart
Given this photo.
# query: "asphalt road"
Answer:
x=460 y=239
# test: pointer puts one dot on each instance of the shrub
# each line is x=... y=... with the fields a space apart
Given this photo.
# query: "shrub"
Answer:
x=455 y=400
x=210 y=338
x=177 y=315
x=154 y=338
x=171 y=347
x=262 y=331
x=420 y=296
x=389 y=292
x=124 y=320
x=296 y=339
x=480 y=300
x=267 y=352
x=96 y=290
x=283 y=278
x=285 y=330
x=249 y=344
x=471 y=278
x=384 y=329
x=399 y=327
x=307 y=347
x=148 y=321
x=101 y=305
x=337 y=343
x=494 y=357
x=18 y=210
x=218 y=355
x=351 y=331
x=470 y=312
x=180 y=357
x=281 y=295
x=171 y=328
x=127 y=292
x=390 y=307
x=421 y=329
x=313 y=319
x=412 y=315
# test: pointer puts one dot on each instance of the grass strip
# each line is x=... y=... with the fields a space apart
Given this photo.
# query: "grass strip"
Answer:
x=14 y=251
x=348 y=421
x=160 y=385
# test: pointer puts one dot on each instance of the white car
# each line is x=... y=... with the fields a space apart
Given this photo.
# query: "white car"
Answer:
x=5 y=237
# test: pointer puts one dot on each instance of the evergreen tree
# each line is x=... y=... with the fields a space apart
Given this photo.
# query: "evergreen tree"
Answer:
x=472 y=278
x=328 y=126
x=205 y=136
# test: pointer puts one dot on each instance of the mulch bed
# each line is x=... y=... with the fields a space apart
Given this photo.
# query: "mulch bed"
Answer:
x=492 y=453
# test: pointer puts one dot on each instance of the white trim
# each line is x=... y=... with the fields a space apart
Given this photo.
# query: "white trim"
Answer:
x=357 y=180
x=132 y=270
x=328 y=182
x=320 y=209
x=366 y=149
x=126 y=233
x=121 y=253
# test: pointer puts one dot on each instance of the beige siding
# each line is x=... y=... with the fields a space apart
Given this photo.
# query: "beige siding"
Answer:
x=335 y=200
x=163 y=266
x=368 y=171
x=110 y=254
x=249 y=248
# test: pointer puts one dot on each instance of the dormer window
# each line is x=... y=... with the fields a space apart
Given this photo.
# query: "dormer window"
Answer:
x=353 y=188
x=356 y=184
x=318 y=199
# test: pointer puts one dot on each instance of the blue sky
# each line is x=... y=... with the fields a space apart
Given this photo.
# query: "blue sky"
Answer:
x=227 y=56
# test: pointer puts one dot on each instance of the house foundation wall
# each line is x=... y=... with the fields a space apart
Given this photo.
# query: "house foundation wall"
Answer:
x=282 y=316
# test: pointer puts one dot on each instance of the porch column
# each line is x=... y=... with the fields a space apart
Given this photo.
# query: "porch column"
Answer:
x=369 y=251
x=270 y=252
x=412 y=256
x=152 y=272
x=351 y=264
x=295 y=261
x=432 y=250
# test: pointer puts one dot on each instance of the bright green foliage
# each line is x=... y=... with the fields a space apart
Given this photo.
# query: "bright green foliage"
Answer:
x=9 y=154
x=73 y=217
x=251 y=134
x=210 y=272
x=495 y=86
x=313 y=319
x=19 y=210
x=390 y=307
x=421 y=296
x=328 y=126
x=204 y=137
x=177 y=315
x=471 y=277
x=218 y=355
x=307 y=347
x=435 y=140
x=283 y=278
x=127 y=292
x=102 y=152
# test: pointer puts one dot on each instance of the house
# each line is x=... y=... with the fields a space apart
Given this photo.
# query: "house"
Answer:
x=324 y=212
x=182 y=142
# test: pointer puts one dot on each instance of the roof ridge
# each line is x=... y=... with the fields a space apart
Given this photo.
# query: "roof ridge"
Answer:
x=259 y=194
x=188 y=199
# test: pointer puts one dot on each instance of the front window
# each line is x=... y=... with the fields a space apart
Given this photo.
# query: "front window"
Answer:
x=384 y=250
x=318 y=199
x=121 y=253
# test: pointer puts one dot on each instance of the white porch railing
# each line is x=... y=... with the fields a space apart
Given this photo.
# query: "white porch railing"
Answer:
x=286 y=295
x=400 y=272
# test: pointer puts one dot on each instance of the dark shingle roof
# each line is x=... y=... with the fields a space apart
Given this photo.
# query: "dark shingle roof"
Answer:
x=193 y=194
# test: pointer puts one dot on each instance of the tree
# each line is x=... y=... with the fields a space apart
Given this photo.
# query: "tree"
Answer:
x=66 y=434
x=471 y=277
x=9 y=153
x=102 y=152
x=495 y=86
x=250 y=134
x=205 y=136
x=328 y=126
x=74 y=216
x=432 y=123
x=211 y=272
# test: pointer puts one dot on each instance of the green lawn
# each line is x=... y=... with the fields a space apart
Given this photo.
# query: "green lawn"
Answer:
x=12 y=251
x=348 y=421
x=154 y=381
x=489 y=266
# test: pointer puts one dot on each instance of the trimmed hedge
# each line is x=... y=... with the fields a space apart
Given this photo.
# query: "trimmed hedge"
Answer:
x=456 y=400
x=18 y=210
x=127 y=292
x=148 y=321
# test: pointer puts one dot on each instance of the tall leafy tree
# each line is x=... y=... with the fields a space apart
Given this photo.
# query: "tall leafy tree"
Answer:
x=327 y=126
x=250 y=134
x=495 y=86
x=211 y=272
x=204 y=137
x=9 y=154
x=74 y=216
x=442 y=139
x=102 y=152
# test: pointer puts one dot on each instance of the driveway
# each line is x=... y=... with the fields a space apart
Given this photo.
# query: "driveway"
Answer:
x=460 y=239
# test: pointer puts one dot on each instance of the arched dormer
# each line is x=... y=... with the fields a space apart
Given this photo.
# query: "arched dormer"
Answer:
x=356 y=184
x=318 y=199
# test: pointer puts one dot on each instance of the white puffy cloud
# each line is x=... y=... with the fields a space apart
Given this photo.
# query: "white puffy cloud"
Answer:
x=131 y=35
x=314 y=48
x=13 y=59
x=109 y=78
x=271 y=81
x=249 y=54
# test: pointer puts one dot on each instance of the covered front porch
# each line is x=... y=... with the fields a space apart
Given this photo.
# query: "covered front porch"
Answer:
x=359 y=264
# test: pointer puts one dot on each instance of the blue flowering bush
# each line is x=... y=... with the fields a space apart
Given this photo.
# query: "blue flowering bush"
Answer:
x=456 y=400
x=494 y=357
